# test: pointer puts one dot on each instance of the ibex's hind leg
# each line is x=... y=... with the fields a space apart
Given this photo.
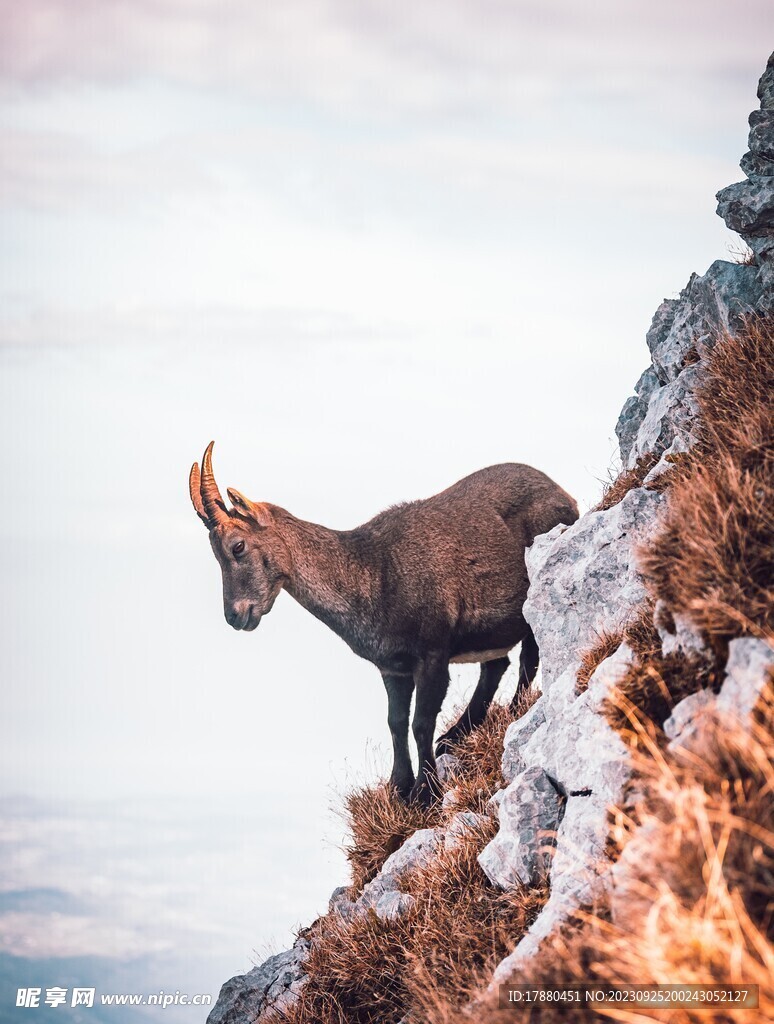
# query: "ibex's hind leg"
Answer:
x=475 y=713
x=528 y=666
x=399 y=690
x=432 y=682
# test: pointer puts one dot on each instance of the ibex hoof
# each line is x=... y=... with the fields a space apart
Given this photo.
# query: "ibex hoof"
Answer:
x=403 y=789
x=423 y=794
x=446 y=744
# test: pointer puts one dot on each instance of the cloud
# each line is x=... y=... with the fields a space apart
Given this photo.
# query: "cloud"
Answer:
x=62 y=935
x=178 y=169
x=128 y=882
x=47 y=171
x=345 y=181
x=368 y=54
x=198 y=325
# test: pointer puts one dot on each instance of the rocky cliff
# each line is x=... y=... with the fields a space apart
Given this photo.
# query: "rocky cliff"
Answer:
x=636 y=666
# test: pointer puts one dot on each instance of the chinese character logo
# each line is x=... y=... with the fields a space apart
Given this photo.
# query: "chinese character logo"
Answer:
x=56 y=996
x=82 y=997
x=28 y=997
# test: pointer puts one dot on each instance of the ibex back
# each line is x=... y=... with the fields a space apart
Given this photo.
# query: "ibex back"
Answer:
x=419 y=586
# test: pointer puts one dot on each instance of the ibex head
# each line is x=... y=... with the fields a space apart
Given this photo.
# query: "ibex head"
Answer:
x=253 y=558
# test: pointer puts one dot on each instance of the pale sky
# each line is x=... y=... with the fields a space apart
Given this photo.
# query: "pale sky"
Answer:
x=367 y=247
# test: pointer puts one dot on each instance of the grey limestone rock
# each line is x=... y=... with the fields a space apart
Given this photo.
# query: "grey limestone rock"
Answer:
x=660 y=418
x=341 y=902
x=579 y=872
x=748 y=206
x=450 y=797
x=749 y=668
x=580 y=862
x=584 y=579
x=516 y=737
x=392 y=905
x=493 y=803
x=681 y=723
x=274 y=982
x=766 y=86
x=447 y=766
x=461 y=825
x=707 y=304
x=681 y=443
x=669 y=418
x=529 y=814
x=577 y=747
x=752 y=164
x=761 y=137
x=634 y=410
x=678 y=634
x=629 y=421
x=417 y=851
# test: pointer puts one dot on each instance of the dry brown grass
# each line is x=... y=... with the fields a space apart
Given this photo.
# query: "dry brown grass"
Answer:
x=743 y=255
x=711 y=558
x=640 y=634
x=644 y=697
x=365 y=970
x=480 y=755
x=626 y=481
x=454 y=898
x=606 y=643
x=379 y=822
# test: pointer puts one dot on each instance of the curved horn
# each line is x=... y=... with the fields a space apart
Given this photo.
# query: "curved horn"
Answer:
x=194 y=489
x=214 y=505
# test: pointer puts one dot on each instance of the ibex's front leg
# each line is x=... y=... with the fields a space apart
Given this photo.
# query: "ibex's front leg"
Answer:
x=399 y=690
x=432 y=682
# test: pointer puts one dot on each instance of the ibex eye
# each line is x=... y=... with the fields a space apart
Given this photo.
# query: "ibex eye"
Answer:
x=238 y=548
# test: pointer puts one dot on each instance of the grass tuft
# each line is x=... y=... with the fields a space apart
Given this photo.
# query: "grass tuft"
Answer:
x=606 y=644
x=640 y=634
x=644 y=697
x=626 y=481
x=379 y=823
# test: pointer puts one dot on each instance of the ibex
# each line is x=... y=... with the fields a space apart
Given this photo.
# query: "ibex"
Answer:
x=420 y=586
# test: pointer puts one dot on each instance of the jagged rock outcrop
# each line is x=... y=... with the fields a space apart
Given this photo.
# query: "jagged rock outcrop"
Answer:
x=750 y=665
x=529 y=813
x=273 y=983
x=746 y=206
x=563 y=764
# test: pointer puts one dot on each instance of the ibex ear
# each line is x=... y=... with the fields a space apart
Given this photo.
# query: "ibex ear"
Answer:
x=256 y=511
